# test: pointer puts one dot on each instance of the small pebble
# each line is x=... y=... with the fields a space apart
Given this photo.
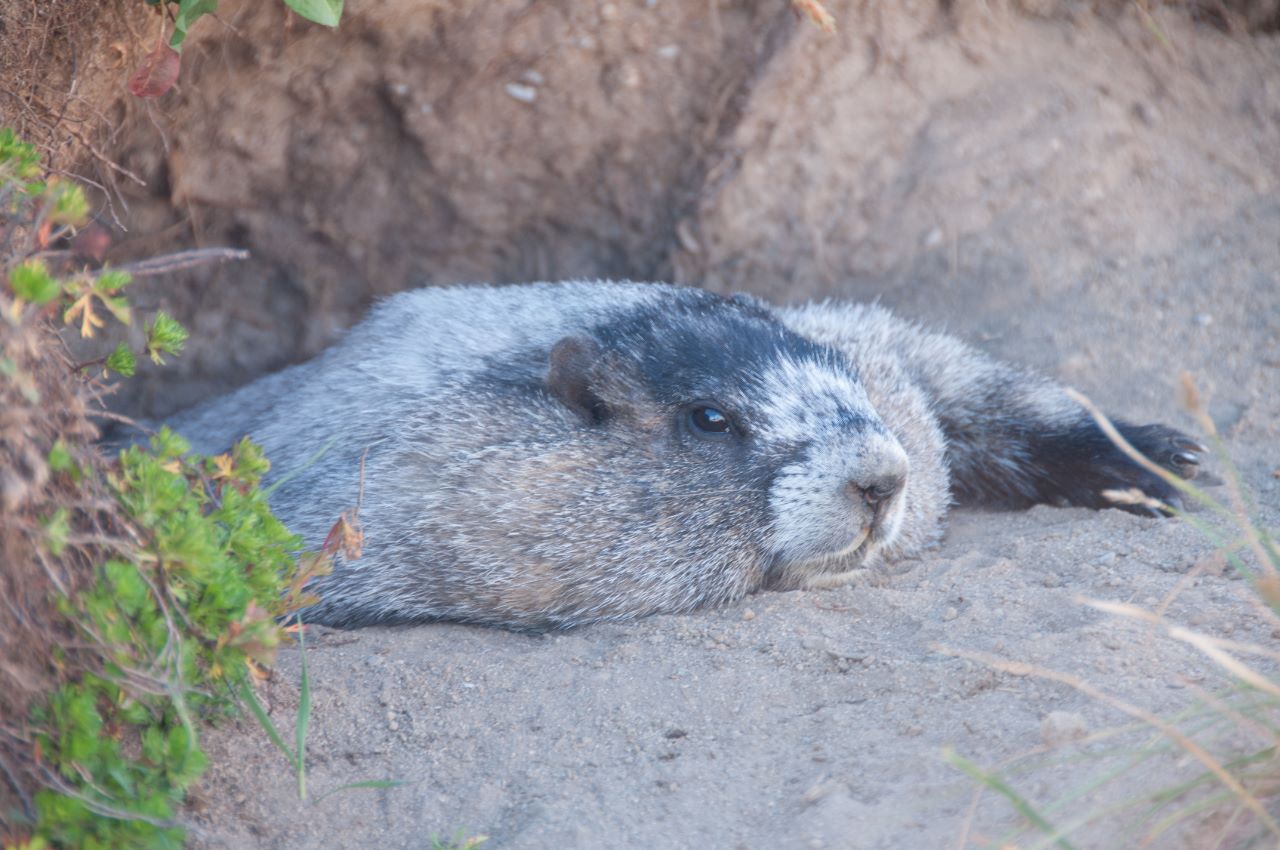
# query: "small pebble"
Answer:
x=629 y=76
x=1146 y=113
x=1061 y=727
x=951 y=614
x=522 y=93
x=1212 y=564
x=748 y=614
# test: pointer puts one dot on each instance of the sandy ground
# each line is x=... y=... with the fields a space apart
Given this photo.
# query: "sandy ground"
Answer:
x=1097 y=195
x=790 y=720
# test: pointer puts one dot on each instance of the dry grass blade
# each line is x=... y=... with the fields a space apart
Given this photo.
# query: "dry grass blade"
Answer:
x=1213 y=765
x=1123 y=609
x=1232 y=665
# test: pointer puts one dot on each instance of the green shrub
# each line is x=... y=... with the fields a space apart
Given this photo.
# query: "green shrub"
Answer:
x=179 y=618
x=182 y=572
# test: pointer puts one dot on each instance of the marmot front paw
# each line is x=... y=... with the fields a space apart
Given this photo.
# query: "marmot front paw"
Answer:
x=1165 y=446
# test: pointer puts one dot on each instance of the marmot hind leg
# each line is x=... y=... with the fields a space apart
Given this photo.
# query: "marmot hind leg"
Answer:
x=1014 y=438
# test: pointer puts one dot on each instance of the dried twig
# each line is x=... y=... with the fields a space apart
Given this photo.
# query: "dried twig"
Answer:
x=169 y=263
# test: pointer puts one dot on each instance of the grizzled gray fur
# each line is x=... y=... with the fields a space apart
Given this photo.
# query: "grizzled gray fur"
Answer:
x=553 y=454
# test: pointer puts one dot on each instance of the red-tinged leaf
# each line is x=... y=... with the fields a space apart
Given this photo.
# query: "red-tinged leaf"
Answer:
x=346 y=536
x=91 y=243
x=815 y=11
x=158 y=73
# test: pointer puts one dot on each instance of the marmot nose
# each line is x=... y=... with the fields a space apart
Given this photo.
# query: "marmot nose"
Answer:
x=875 y=491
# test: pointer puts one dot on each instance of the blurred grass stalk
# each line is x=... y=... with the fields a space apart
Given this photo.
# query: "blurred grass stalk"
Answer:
x=1246 y=781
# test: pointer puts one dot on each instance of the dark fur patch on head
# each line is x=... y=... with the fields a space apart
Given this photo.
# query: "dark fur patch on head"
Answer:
x=701 y=344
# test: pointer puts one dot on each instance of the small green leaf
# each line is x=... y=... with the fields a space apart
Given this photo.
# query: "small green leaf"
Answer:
x=128 y=589
x=32 y=282
x=250 y=461
x=327 y=12
x=189 y=11
x=121 y=361
x=152 y=744
x=19 y=158
x=59 y=457
x=56 y=530
x=69 y=205
x=164 y=336
x=166 y=445
x=110 y=281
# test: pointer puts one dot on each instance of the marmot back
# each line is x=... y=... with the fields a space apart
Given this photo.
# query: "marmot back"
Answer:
x=552 y=454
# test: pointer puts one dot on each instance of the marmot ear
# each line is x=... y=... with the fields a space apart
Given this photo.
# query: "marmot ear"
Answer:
x=575 y=366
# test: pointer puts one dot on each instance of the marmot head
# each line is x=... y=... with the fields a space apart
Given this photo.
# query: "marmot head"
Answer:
x=765 y=444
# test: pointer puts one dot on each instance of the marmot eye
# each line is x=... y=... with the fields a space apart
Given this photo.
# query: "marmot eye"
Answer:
x=709 y=420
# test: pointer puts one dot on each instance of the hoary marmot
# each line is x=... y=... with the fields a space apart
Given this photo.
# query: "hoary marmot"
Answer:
x=549 y=455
